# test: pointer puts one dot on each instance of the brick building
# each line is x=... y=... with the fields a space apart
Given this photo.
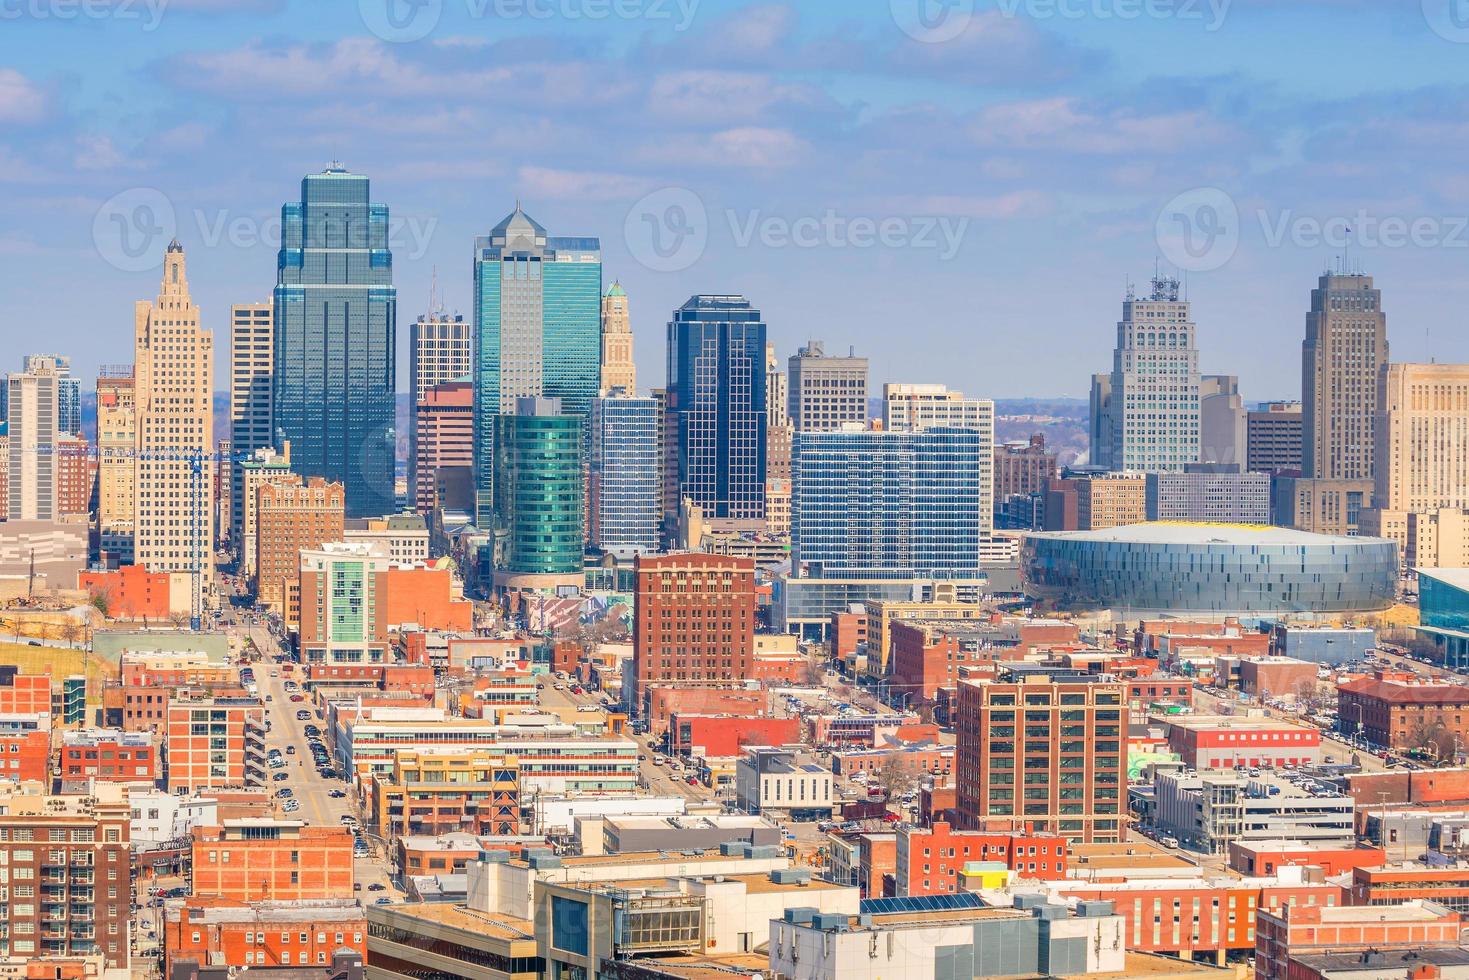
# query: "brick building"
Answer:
x=1386 y=884
x=1228 y=741
x=1032 y=721
x=289 y=516
x=1402 y=713
x=1023 y=468
x=214 y=742
x=25 y=748
x=931 y=861
x=24 y=694
x=443 y=436
x=1268 y=857
x=846 y=634
x=73 y=476
x=1145 y=692
x=439 y=792
x=877 y=863
x=109 y=755
x=726 y=736
x=425 y=596
x=925 y=657
x=231 y=933
x=151 y=680
x=1297 y=930
x=918 y=760
x=1276 y=677
x=693 y=620
x=131 y=592
x=68 y=865
x=665 y=702
x=264 y=860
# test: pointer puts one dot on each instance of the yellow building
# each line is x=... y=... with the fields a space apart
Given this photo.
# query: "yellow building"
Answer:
x=882 y=614
x=432 y=793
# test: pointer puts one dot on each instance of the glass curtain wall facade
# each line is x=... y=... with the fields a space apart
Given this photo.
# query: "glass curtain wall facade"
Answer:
x=716 y=402
x=889 y=504
x=626 y=485
x=538 y=491
x=537 y=331
x=336 y=315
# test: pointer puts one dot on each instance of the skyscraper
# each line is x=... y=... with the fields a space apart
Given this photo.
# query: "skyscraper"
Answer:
x=336 y=315
x=716 y=401
x=886 y=505
x=618 y=368
x=116 y=438
x=252 y=363
x=1342 y=357
x=68 y=390
x=626 y=490
x=826 y=392
x=443 y=436
x=33 y=417
x=173 y=358
x=1273 y=437
x=538 y=497
x=1223 y=426
x=908 y=408
x=440 y=352
x=537 y=331
x=1145 y=414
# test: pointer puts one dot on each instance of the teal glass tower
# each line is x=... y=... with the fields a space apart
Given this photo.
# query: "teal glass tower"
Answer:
x=538 y=497
x=537 y=331
x=336 y=318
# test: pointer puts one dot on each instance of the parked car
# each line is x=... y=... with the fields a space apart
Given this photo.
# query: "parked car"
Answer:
x=377 y=886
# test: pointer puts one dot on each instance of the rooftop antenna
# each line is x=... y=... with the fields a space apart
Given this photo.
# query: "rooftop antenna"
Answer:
x=433 y=292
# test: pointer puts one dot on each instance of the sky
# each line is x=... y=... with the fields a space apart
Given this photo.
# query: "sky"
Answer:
x=961 y=190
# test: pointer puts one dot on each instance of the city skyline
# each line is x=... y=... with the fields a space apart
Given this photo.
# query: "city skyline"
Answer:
x=1044 y=175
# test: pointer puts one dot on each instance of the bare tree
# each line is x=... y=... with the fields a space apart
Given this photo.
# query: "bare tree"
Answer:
x=812 y=674
x=896 y=776
x=1432 y=738
x=71 y=632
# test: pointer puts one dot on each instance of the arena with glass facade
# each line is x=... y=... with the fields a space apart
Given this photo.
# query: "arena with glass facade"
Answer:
x=1219 y=569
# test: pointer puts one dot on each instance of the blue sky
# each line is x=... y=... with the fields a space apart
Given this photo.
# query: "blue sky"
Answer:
x=963 y=202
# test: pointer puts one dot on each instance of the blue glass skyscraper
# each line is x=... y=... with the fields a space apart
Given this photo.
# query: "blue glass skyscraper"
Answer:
x=626 y=482
x=336 y=316
x=537 y=331
x=716 y=402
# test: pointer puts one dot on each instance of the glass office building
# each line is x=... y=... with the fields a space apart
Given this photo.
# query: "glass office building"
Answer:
x=883 y=505
x=538 y=497
x=537 y=330
x=1443 y=608
x=1223 y=569
x=336 y=316
x=626 y=489
x=716 y=405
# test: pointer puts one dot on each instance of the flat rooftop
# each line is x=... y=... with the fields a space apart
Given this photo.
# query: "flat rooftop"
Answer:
x=1234 y=723
x=203 y=912
x=1200 y=533
x=1132 y=854
x=503 y=927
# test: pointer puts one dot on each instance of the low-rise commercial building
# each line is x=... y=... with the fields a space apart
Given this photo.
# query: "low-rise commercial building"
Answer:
x=776 y=780
x=1230 y=742
x=1404 y=713
x=109 y=755
x=932 y=861
x=1296 y=930
x=249 y=935
x=259 y=860
x=436 y=792
x=1210 y=810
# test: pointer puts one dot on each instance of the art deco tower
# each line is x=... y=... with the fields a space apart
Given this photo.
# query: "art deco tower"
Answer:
x=618 y=369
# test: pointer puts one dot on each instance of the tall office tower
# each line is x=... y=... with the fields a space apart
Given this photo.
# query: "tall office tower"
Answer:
x=174 y=360
x=252 y=366
x=32 y=416
x=886 y=505
x=909 y=408
x=778 y=436
x=68 y=390
x=440 y=352
x=73 y=475
x=538 y=496
x=265 y=465
x=224 y=490
x=1059 y=734
x=776 y=410
x=626 y=490
x=443 y=436
x=1145 y=414
x=618 y=368
x=693 y=622
x=336 y=317
x=1421 y=491
x=825 y=393
x=116 y=437
x=716 y=401
x=291 y=514
x=667 y=459
x=1223 y=425
x=1341 y=360
x=1273 y=436
x=537 y=331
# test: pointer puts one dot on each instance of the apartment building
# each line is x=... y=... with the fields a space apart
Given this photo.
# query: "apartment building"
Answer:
x=225 y=932
x=214 y=743
x=257 y=859
x=693 y=621
x=432 y=792
x=109 y=755
x=289 y=517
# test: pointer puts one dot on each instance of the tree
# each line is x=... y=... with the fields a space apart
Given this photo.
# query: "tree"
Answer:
x=812 y=675
x=1312 y=696
x=101 y=600
x=897 y=776
x=1432 y=738
x=71 y=632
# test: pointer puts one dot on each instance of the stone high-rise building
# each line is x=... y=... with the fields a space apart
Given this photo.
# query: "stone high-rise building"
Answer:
x=1223 y=427
x=1145 y=415
x=252 y=366
x=1341 y=360
x=174 y=363
x=116 y=438
x=825 y=392
x=33 y=417
x=291 y=515
x=440 y=352
x=618 y=368
x=911 y=408
x=443 y=436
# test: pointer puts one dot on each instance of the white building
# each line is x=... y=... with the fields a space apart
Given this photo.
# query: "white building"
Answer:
x=774 y=779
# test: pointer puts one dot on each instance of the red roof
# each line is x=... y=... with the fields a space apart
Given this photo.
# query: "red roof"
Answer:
x=1395 y=693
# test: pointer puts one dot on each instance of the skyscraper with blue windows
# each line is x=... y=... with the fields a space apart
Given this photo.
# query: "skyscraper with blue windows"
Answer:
x=336 y=317
x=626 y=491
x=716 y=403
x=537 y=331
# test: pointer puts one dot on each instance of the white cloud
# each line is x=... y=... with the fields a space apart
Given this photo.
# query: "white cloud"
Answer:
x=21 y=101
